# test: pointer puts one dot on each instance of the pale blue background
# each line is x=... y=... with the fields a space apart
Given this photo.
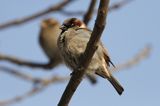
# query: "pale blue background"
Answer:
x=128 y=31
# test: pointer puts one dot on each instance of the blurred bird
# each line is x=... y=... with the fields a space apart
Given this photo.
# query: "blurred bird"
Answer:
x=48 y=40
x=72 y=43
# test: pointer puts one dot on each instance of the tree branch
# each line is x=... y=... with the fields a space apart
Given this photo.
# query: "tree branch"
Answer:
x=21 y=62
x=86 y=57
x=90 y=11
x=118 y=5
x=36 y=15
x=144 y=53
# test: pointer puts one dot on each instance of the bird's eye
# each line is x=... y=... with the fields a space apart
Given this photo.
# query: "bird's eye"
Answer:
x=72 y=25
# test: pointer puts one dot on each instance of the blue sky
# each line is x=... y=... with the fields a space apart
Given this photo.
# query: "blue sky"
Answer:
x=128 y=31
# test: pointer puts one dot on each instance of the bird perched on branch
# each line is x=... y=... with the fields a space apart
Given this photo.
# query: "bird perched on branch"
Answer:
x=48 y=40
x=72 y=43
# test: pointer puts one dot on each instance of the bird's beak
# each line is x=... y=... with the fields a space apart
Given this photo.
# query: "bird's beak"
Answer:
x=62 y=27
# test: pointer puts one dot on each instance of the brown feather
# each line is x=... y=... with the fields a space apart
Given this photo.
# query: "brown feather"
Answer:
x=106 y=57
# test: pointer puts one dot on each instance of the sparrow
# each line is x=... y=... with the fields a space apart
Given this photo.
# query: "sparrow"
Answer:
x=72 y=43
x=48 y=36
x=49 y=33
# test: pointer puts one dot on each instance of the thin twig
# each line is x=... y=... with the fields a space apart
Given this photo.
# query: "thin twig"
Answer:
x=90 y=11
x=26 y=63
x=144 y=53
x=56 y=7
x=86 y=58
x=119 y=4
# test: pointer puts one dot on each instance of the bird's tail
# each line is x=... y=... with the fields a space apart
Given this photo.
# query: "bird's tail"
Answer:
x=116 y=85
x=112 y=80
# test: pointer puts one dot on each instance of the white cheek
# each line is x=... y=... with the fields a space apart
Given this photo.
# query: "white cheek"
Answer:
x=83 y=26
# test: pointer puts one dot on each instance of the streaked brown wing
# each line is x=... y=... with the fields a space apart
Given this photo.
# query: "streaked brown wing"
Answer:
x=106 y=56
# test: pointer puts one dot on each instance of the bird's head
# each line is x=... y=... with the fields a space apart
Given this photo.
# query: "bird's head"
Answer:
x=72 y=22
x=49 y=23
